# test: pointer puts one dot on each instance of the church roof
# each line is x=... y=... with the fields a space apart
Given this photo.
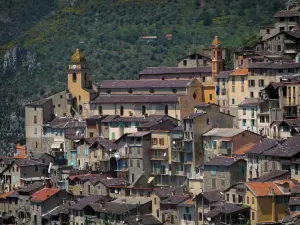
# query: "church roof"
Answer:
x=78 y=57
x=216 y=41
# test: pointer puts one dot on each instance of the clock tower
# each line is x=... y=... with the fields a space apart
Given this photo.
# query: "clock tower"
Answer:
x=80 y=85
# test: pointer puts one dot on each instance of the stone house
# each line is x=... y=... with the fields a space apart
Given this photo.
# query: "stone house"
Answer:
x=160 y=199
x=41 y=157
x=261 y=195
x=207 y=116
x=59 y=215
x=247 y=115
x=204 y=203
x=284 y=129
x=227 y=141
x=21 y=169
x=221 y=172
x=195 y=60
x=186 y=212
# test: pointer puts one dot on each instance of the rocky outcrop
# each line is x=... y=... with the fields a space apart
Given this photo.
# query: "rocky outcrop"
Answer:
x=15 y=58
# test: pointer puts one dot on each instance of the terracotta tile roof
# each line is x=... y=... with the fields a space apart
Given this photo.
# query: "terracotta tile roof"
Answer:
x=264 y=188
x=4 y=195
x=21 y=152
x=44 y=194
x=240 y=72
x=245 y=149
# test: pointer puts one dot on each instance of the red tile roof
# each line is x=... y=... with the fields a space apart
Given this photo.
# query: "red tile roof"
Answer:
x=44 y=194
x=239 y=72
x=245 y=149
x=264 y=188
x=4 y=195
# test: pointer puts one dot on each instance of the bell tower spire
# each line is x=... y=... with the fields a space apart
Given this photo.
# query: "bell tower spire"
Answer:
x=216 y=57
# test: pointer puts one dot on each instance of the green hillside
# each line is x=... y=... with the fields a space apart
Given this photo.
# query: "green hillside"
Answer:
x=38 y=38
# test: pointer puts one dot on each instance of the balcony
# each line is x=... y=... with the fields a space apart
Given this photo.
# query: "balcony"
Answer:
x=180 y=173
x=135 y=143
x=159 y=157
x=175 y=158
x=159 y=171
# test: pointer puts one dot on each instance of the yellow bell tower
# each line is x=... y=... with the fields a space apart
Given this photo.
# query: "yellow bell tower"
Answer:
x=80 y=85
x=216 y=57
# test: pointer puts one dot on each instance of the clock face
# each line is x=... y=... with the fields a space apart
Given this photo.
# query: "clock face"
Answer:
x=74 y=66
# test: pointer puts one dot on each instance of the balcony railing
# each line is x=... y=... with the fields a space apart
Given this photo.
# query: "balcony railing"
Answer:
x=159 y=157
x=158 y=171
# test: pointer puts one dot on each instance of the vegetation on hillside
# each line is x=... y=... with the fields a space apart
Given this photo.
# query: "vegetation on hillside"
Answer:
x=109 y=32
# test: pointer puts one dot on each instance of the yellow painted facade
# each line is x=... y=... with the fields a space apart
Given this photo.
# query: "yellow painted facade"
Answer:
x=237 y=89
x=209 y=94
x=265 y=208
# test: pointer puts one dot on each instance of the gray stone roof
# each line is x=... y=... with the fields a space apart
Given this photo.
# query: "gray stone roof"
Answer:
x=288 y=148
x=110 y=99
x=221 y=161
x=224 y=74
x=213 y=196
x=114 y=208
x=226 y=208
x=174 y=70
x=164 y=192
x=166 y=125
x=295 y=33
x=223 y=132
x=40 y=102
x=273 y=175
x=286 y=13
x=194 y=116
x=294 y=201
x=263 y=146
x=147 y=219
x=250 y=102
x=32 y=187
x=139 y=134
x=274 y=65
x=28 y=162
x=175 y=199
x=66 y=122
x=61 y=209
x=85 y=201
x=129 y=84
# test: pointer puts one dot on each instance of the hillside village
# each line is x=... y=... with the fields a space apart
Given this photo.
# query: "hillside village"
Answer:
x=187 y=145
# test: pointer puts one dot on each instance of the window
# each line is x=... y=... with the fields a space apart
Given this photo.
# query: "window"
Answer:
x=268 y=31
x=86 y=152
x=166 y=110
x=279 y=48
x=233 y=198
x=154 y=141
x=227 y=197
x=243 y=89
x=210 y=97
x=154 y=201
x=36 y=168
x=296 y=169
x=138 y=165
x=233 y=80
x=213 y=171
x=281 y=29
x=36 y=144
x=244 y=111
x=247 y=199
x=121 y=110
x=252 y=123
x=91 y=134
x=74 y=78
x=252 y=200
x=185 y=62
x=207 y=121
x=35 y=119
x=131 y=163
x=213 y=183
x=214 y=144
x=251 y=94
x=143 y=110
x=243 y=122
x=34 y=108
x=161 y=141
x=261 y=83
x=203 y=79
x=233 y=88
x=222 y=182
x=224 y=103
x=100 y=110
x=251 y=83
x=253 y=215
x=157 y=213
x=35 y=131
x=132 y=177
x=232 y=101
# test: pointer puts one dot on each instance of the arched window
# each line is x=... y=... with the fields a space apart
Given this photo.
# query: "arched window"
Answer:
x=143 y=109
x=74 y=77
x=121 y=110
x=166 y=109
x=100 y=110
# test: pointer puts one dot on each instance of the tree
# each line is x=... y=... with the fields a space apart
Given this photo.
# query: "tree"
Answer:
x=207 y=20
